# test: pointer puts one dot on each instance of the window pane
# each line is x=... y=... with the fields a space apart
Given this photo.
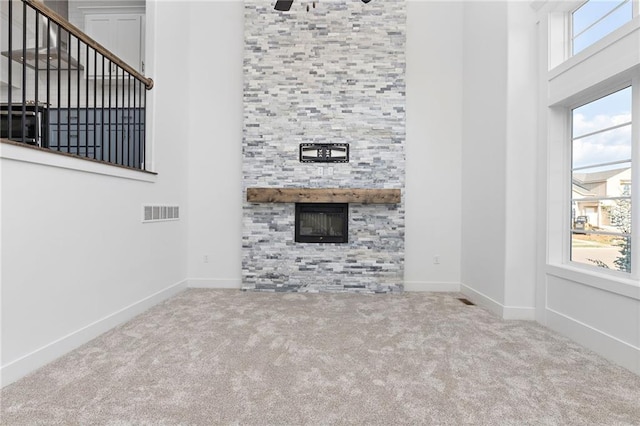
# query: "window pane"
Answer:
x=590 y=12
x=601 y=182
x=610 y=119
x=591 y=22
x=605 y=251
x=602 y=113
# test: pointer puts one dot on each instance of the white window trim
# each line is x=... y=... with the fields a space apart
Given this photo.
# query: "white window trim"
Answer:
x=635 y=160
x=556 y=107
x=635 y=178
x=572 y=61
x=560 y=52
x=623 y=286
x=559 y=200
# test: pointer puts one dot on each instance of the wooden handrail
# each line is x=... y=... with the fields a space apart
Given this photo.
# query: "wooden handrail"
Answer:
x=39 y=6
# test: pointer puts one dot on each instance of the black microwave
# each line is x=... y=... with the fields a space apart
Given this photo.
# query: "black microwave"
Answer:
x=26 y=125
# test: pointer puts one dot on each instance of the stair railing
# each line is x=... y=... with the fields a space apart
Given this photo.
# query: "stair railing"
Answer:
x=66 y=92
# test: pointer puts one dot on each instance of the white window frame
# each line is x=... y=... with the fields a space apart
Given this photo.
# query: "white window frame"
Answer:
x=635 y=194
x=566 y=82
x=560 y=34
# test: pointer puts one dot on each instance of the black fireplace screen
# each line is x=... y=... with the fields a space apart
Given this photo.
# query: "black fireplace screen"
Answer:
x=322 y=222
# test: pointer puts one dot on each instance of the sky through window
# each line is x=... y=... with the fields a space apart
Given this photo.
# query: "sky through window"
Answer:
x=608 y=121
x=597 y=18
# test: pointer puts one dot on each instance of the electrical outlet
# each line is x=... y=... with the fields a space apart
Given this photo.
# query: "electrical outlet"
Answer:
x=330 y=171
x=205 y=258
x=436 y=260
x=320 y=171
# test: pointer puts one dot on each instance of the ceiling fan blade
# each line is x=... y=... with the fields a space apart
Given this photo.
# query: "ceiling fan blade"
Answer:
x=283 y=5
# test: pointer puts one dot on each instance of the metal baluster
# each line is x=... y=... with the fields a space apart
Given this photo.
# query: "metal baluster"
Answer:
x=95 y=101
x=24 y=72
x=130 y=157
x=143 y=151
x=136 y=152
x=38 y=128
x=48 y=79
x=86 y=100
x=9 y=73
x=68 y=92
x=109 y=111
x=78 y=103
x=59 y=105
x=124 y=115
x=118 y=135
x=103 y=118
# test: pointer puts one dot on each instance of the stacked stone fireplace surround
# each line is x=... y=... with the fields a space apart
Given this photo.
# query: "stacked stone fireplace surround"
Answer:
x=334 y=74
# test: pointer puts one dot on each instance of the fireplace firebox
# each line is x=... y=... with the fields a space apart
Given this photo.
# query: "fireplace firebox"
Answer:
x=322 y=223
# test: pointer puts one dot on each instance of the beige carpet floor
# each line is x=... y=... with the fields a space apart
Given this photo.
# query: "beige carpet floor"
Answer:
x=229 y=357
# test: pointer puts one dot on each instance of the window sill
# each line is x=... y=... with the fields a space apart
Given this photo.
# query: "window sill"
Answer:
x=16 y=151
x=620 y=285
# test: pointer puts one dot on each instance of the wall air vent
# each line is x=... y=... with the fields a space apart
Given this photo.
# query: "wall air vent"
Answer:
x=155 y=213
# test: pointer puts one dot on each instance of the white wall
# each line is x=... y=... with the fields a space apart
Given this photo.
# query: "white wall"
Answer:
x=434 y=133
x=520 y=191
x=76 y=258
x=498 y=157
x=215 y=52
x=484 y=144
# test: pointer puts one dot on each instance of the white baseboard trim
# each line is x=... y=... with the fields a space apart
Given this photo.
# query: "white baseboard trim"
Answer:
x=30 y=362
x=214 y=283
x=482 y=300
x=615 y=350
x=433 y=286
x=504 y=312
x=518 y=313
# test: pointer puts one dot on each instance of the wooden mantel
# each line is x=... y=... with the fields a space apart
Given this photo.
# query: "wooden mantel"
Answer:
x=323 y=195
